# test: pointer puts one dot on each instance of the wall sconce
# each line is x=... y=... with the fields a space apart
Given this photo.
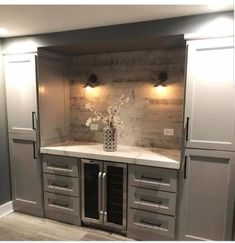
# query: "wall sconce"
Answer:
x=92 y=81
x=162 y=77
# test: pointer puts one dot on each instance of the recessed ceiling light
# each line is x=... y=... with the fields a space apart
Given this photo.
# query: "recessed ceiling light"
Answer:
x=3 y=31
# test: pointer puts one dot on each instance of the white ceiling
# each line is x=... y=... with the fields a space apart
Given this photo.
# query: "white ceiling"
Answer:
x=27 y=20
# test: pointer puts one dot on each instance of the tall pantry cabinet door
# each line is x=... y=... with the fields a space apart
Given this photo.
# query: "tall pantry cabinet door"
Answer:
x=20 y=78
x=26 y=174
x=210 y=95
x=207 y=195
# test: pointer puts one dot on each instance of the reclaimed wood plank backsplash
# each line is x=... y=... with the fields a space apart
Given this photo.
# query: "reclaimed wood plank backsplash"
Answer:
x=132 y=74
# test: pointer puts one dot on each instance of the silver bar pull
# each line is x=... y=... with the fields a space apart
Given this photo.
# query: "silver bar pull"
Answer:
x=104 y=193
x=99 y=192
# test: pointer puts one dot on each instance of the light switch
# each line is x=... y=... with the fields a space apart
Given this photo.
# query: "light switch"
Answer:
x=168 y=132
x=94 y=126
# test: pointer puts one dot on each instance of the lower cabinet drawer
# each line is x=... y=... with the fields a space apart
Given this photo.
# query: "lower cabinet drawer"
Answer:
x=61 y=184
x=145 y=225
x=60 y=165
x=151 y=200
x=153 y=178
x=61 y=204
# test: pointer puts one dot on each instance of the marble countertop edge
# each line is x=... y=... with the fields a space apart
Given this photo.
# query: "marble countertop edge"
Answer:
x=155 y=157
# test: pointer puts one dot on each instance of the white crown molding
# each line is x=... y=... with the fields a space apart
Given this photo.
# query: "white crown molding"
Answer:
x=200 y=36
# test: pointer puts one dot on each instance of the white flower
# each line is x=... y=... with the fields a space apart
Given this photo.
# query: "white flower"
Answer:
x=117 y=121
x=96 y=119
x=88 y=106
x=111 y=119
x=109 y=110
x=127 y=99
x=88 y=122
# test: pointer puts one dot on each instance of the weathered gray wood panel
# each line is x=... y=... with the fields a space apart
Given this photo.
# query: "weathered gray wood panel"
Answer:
x=132 y=74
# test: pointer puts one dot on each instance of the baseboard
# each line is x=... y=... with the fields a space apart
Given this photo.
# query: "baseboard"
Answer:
x=6 y=209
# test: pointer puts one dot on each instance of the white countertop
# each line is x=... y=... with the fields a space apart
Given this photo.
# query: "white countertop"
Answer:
x=157 y=157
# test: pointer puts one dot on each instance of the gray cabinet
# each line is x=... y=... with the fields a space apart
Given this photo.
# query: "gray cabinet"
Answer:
x=152 y=196
x=207 y=196
x=207 y=193
x=152 y=178
x=61 y=184
x=145 y=225
x=60 y=165
x=61 y=179
x=210 y=95
x=21 y=94
x=25 y=174
x=151 y=200
x=60 y=205
x=20 y=78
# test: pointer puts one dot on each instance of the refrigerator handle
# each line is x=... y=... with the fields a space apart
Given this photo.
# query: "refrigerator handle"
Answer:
x=99 y=193
x=104 y=193
x=187 y=126
x=34 y=120
x=185 y=166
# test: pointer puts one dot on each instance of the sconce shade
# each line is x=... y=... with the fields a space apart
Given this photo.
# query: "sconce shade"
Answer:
x=92 y=81
x=160 y=83
x=162 y=77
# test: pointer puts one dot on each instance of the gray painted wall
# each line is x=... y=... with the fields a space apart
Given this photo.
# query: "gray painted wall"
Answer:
x=5 y=192
x=133 y=74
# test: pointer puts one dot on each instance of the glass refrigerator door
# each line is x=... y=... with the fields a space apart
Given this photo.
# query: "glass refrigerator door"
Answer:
x=114 y=188
x=91 y=191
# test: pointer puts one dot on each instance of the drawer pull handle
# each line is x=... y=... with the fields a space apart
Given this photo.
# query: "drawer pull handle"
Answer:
x=151 y=224
x=150 y=178
x=57 y=185
x=150 y=201
x=60 y=166
x=34 y=150
x=185 y=167
x=34 y=120
x=60 y=204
